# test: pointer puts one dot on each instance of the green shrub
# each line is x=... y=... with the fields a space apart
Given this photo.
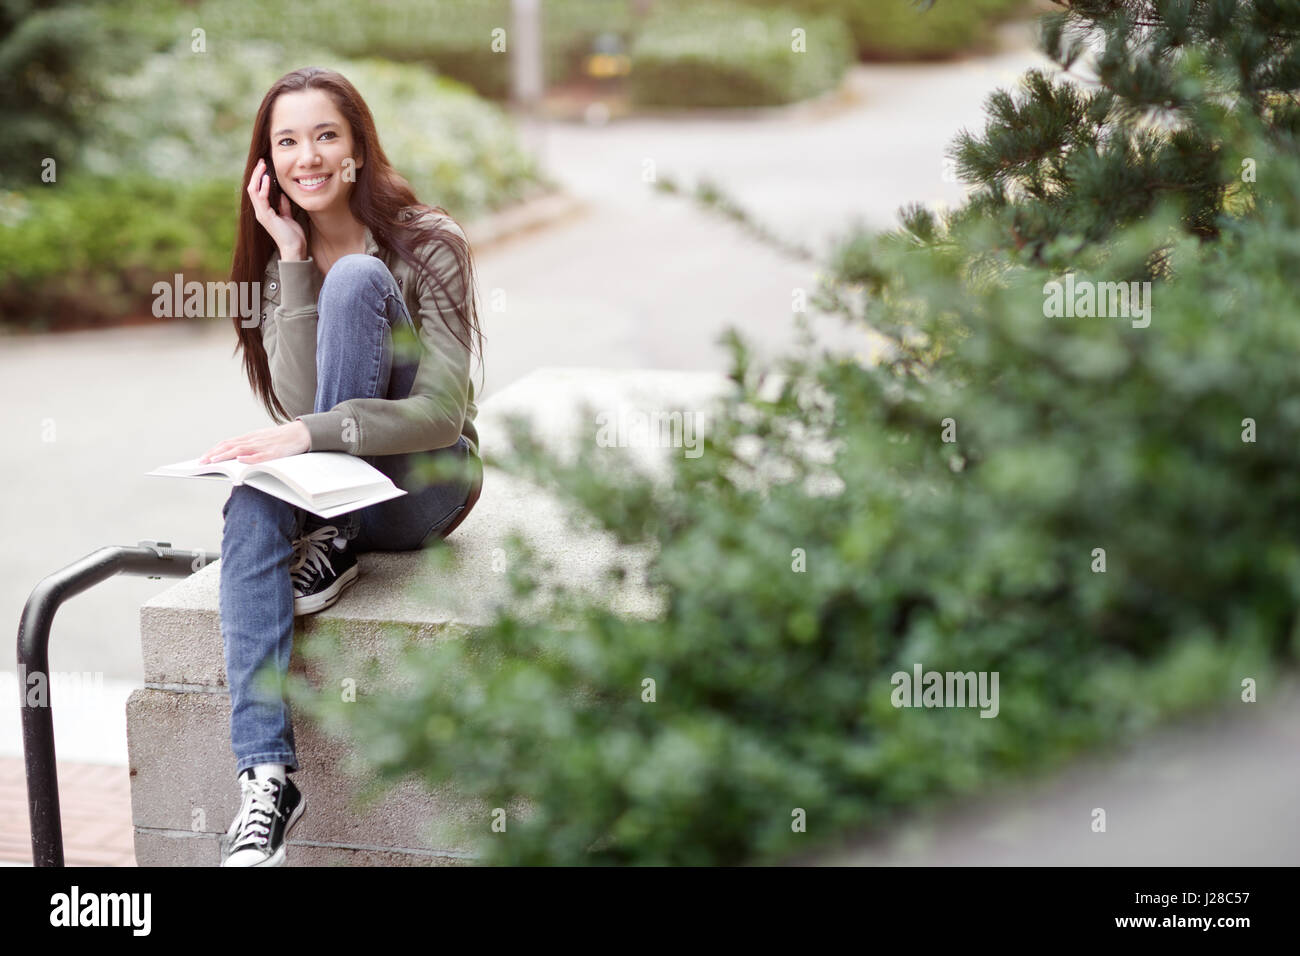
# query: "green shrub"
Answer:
x=452 y=36
x=52 y=56
x=188 y=116
x=176 y=129
x=773 y=685
x=455 y=37
x=1060 y=164
x=727 y=55
x=904 y=29
x=87 y=252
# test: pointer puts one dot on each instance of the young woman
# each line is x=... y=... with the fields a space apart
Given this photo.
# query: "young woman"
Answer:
x=364 y=347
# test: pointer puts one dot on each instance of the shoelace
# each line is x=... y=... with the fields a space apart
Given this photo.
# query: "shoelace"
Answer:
x=311 y=550
x=259 y=811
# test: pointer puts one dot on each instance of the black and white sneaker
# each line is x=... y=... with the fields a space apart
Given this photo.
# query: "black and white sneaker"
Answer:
x=269 y=810
x=322 y=566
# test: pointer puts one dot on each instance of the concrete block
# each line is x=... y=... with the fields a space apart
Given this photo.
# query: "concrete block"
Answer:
x=175 y=848
x=183 y=781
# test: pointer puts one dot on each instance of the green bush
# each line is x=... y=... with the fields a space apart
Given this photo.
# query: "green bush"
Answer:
x=452 y=36
x=87 y=252
x=177 y=129
x=726 y=55
x=188 y=116
x=52 y=57
x=774 y=685
x=1061 y=164
x=905 y=29
x=455 y=37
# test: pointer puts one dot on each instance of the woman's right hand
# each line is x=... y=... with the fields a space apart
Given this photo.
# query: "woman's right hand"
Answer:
x=288 y=235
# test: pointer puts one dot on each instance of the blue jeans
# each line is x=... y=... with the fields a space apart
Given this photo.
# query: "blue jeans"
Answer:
x=359 y=309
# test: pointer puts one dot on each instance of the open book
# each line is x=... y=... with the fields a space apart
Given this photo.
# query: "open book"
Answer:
x=326 y=483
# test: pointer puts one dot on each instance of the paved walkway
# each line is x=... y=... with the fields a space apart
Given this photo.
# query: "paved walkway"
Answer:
x=1218 y=789
x=642 y=280
x=95 y=805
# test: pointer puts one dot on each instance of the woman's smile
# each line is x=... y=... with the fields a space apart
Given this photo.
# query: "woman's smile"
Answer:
x=314 y=182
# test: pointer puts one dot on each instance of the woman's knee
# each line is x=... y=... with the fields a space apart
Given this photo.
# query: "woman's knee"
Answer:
x=354 y=275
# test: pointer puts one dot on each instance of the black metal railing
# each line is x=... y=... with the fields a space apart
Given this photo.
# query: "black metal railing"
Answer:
x=152 y=559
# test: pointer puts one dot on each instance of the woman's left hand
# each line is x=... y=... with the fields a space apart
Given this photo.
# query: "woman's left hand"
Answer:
x=279 y=441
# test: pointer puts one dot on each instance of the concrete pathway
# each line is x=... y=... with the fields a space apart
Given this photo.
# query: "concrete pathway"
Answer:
x=1218 y=789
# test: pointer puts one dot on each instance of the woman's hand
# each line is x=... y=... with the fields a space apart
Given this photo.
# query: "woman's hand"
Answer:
x=286 y=232
x=279 y=441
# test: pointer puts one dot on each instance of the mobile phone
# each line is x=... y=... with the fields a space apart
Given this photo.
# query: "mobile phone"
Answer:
x=273 y=194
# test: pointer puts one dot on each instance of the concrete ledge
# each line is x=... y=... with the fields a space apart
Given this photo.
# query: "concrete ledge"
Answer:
x=397 y=592
x=174 y=848
x=198 y=798
x=183 y=790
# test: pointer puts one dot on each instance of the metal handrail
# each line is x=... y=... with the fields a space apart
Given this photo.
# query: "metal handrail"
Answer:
x=152 y=559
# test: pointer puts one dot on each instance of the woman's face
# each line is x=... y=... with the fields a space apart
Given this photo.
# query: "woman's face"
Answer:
x=311 y=146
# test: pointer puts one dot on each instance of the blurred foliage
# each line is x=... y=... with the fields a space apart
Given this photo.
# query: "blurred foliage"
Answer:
x=63 y=62
x=52 y=56
x=463 y=39
x=89 y=251
x=724 y=54
x=177 y=127
x=907 y=29
x=1062 y=164
x=185 y=116
x=454 y=37
x=773 y=685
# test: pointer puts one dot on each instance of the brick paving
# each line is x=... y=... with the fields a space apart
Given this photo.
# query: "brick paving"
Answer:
x=95 y=804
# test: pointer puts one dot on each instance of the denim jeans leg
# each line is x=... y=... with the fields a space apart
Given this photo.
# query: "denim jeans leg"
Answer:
x=415 y=520
x=360 y=305
x=255 y=598
x=367 y=346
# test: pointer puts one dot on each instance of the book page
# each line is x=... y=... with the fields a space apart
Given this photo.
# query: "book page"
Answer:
x=274 y=486
x=320 y=472
x=191 y=468
x=323 y=481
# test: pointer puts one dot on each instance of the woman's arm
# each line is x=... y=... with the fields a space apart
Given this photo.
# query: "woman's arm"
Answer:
x=292 y=354
x=433 y=415
x=289 y=333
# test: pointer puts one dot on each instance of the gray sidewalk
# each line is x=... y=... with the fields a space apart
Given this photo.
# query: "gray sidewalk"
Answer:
x=1218 y=789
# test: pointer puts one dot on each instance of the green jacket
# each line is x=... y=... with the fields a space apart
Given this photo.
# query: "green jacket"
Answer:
x=440 y=407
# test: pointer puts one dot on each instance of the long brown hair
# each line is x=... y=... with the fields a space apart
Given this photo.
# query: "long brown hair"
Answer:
x=379 y=198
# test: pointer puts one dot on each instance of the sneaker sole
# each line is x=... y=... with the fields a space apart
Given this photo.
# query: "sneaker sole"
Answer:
x=319 y=602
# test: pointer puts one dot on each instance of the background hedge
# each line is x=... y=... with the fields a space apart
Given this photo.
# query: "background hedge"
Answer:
x=731 y=55
x=82 y=251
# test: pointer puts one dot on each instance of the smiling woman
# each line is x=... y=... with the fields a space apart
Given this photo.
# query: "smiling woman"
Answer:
x=365 y=342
